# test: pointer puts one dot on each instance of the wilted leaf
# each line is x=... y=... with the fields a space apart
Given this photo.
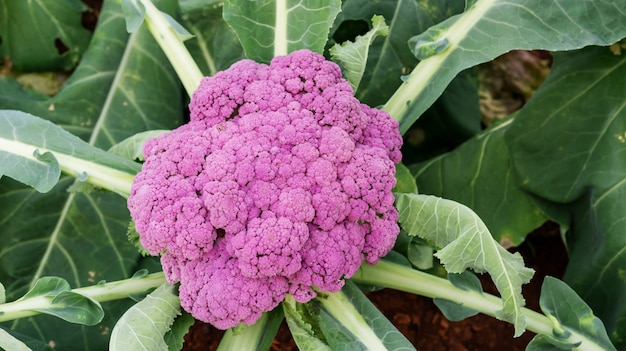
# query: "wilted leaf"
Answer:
x=268 y=28
x=466 y=243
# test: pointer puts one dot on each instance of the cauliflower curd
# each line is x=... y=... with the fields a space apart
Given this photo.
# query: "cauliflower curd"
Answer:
x=280 y=184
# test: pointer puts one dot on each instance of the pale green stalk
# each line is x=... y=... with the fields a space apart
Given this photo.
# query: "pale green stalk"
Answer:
x=173 y=47
x=117 y=290
x=417 y=282
x=244 y=337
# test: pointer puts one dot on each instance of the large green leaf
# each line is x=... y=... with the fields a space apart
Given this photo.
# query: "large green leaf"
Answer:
x=42 y=35
x=214 y=45
x=465 y=242
x=122 y=86
x=461 y=42
x=268 y=28
x=478 y=174
x=568 y=147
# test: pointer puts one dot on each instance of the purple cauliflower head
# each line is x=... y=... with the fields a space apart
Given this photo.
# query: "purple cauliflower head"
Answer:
x=279 y=184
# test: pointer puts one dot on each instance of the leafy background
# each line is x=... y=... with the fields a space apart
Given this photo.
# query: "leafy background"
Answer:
x=122 y=85
x=561 y=157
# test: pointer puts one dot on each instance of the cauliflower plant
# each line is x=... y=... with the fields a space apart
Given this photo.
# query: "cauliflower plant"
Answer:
x=280 y=184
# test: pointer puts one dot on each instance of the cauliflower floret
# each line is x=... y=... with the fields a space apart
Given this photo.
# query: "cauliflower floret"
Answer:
x=280 y=183
x=213 y=289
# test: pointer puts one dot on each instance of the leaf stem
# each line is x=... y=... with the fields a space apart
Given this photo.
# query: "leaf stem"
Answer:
x=406 y=279
x=173 y=47
x=101 y=292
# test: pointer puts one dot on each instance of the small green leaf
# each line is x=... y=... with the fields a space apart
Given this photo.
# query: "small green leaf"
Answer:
x=131 y=148
x=10 y=343
x=423 y=49
x=405 y=181
x=467 y=243
x=134 y=13
x=135 y=239
x=454 y=311
x=144 y=325
x=181 y=32
x=47 y=286
x=39 y=171
x=466 y=281
x=74 y=308
x=140 y=274
x=303 y=326
x=571 y=314
x=174 y=338
x=352 y=56
x=3 y=294
x=420 y=254
x=543 y=342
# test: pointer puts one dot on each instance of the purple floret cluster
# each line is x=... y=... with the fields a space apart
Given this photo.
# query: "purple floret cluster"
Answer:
x=280 y=184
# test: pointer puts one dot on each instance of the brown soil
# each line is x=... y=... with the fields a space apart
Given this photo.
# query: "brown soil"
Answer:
x=422 y=323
